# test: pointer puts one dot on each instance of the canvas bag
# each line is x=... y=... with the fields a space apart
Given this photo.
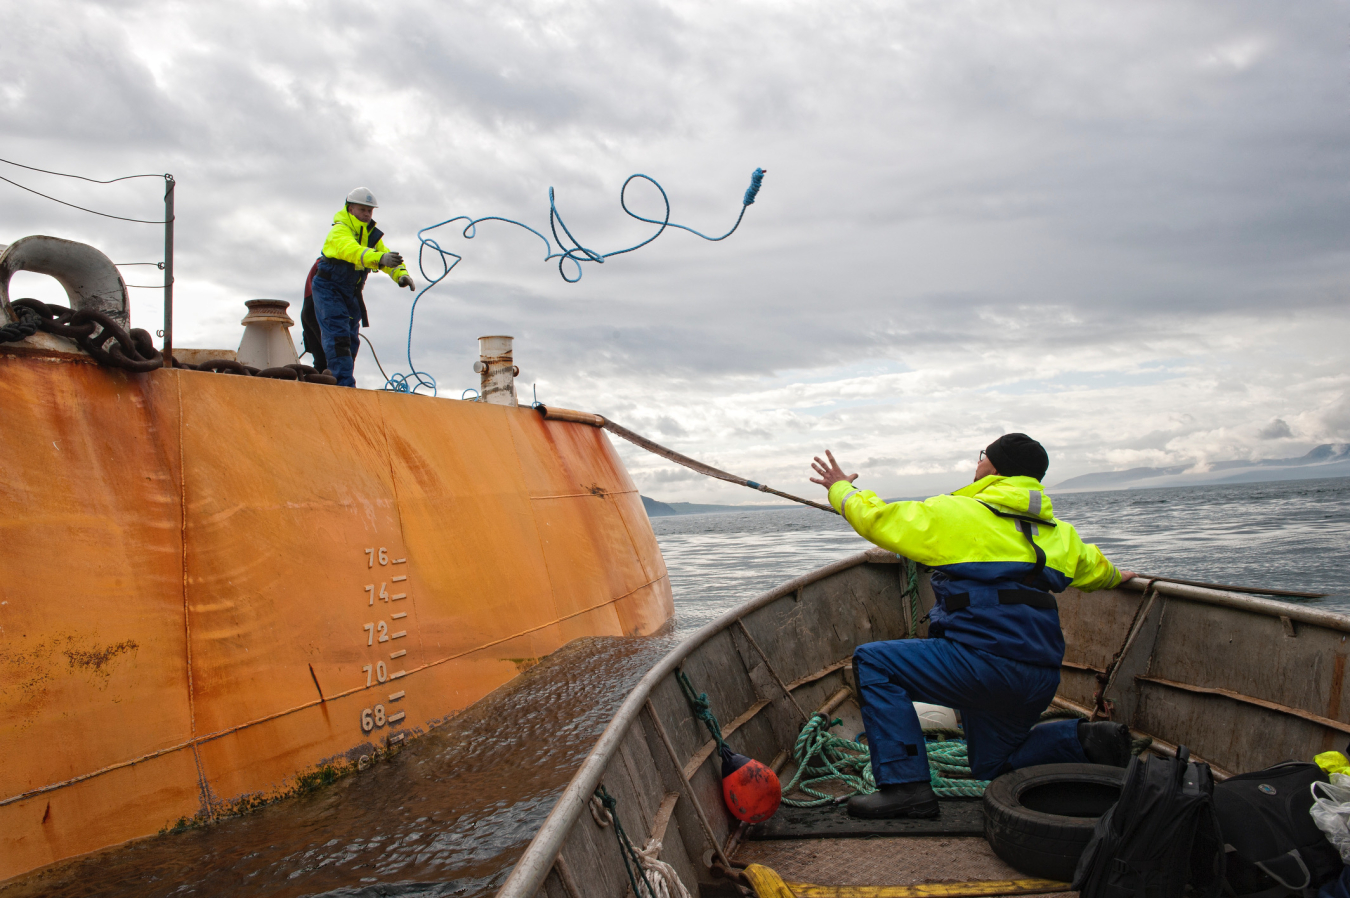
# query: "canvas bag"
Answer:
x=1160 y=836
x=1273 y=845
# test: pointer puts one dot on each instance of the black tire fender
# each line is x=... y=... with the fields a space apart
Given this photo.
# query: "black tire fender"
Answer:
x=1039 y=819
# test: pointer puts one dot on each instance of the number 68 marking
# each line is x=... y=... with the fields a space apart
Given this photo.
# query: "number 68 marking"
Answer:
x=372 y=719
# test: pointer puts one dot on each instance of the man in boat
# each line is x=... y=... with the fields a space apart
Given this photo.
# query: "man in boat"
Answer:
x=353 y=250
x=995 y=646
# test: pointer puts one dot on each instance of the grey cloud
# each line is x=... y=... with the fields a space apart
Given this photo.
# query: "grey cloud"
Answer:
x=1277 y=429
x=1084 y=219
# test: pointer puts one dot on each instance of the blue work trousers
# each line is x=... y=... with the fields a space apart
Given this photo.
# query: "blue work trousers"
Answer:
x=339 y=313
x=1000 y=703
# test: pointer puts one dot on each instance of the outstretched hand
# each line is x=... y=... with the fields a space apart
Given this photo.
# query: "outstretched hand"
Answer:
x=830 y=473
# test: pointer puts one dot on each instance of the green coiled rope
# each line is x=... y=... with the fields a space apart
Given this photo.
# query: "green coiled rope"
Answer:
x=822 y=757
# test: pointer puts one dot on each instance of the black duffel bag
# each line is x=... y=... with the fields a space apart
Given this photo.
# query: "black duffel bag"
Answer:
x=1161 y=836
x=1274 y=849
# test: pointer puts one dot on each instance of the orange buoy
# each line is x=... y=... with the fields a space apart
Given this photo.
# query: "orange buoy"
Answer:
x=751 y=790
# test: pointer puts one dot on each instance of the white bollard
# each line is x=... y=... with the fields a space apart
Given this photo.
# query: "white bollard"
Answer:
x=496 y=370
x=267 y=339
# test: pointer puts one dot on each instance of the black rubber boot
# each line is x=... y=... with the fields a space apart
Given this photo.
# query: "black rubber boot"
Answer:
x=904 y=800
x=1105 y=742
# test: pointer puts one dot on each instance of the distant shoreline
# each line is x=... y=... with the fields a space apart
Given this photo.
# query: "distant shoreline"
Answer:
x=658 y=509
x=1322 y=462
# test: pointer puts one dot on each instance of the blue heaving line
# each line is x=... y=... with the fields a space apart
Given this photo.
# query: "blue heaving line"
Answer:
x=569 y=250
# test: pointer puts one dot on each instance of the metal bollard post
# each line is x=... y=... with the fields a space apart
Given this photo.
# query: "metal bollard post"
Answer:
x=497 y=370
x=267 y=341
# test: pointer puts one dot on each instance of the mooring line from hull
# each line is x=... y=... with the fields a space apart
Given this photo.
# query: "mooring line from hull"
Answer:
x=600 y=421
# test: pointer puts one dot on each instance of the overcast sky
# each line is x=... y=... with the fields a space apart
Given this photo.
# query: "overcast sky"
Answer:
x=1119 y=227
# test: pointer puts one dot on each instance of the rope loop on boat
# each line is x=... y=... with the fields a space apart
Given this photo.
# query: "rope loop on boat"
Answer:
x=667 y=882
x=631 y=856
x=700 y=704
x=824 y=758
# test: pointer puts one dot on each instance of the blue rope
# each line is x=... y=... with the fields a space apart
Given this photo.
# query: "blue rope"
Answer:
x=569 y=250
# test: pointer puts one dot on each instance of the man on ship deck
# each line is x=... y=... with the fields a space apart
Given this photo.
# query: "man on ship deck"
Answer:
x=995 y=645
x=352 y=250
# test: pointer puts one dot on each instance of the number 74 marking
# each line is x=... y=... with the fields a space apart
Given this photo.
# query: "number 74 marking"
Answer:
x=384 y=593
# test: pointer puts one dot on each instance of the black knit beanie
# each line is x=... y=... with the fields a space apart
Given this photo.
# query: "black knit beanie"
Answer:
x=1018 y=455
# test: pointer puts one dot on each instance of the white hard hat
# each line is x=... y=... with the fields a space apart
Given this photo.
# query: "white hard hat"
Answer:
x=363 y=197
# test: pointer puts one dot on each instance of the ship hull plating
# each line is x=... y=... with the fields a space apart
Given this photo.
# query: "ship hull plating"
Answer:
x=212 y=585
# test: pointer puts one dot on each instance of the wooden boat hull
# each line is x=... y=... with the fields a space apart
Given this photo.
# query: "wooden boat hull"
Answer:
x=213 y=586
x=1244 y=682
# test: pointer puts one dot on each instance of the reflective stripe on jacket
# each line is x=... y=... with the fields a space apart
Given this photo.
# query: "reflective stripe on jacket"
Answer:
x=982 y=541
x=352 y=250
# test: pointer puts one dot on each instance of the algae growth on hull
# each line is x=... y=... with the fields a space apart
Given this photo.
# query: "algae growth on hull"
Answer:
x=447 y=815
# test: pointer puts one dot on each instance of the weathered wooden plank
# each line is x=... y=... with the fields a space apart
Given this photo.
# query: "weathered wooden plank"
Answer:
x=663 y=814
x=820 y=674
x=686 y=835
x=1215 y=646
x=637 y=762
x=634 y=804
x=711 y=745
x=1095 y=625
x=592 y=855
x=1250 y=700
x=640 y=759
x=705 y=819
x=561 y=882
x=1248 y=654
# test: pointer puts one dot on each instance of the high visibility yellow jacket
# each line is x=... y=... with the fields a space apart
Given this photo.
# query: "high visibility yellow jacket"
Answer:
x=997 y=552
x=352 y=250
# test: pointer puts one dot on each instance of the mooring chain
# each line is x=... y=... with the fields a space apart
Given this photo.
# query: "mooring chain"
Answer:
x=293 y=371
x=97 y=334
x=110 y=344
x=27 y=325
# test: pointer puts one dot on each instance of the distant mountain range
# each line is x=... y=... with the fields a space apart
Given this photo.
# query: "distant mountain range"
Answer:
x=1327 y=460
x=657 y=509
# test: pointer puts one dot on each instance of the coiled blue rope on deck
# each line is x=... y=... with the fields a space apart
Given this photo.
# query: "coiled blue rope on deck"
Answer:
x=568 y=250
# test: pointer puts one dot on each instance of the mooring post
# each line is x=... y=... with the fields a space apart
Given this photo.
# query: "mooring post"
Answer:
x=168 y=269
x=496 y=370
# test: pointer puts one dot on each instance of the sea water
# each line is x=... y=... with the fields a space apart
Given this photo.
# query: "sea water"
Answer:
x=1288 y=535
x=450 y=814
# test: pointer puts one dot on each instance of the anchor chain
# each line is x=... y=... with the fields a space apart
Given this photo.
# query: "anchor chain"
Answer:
x=114 y=346
x=95 y=332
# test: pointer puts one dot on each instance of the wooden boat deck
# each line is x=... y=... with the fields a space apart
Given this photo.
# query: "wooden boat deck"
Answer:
x=893 y=860
x=1243 y=682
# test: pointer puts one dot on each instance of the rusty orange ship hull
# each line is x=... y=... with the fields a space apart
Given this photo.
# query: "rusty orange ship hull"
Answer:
x=210 y=584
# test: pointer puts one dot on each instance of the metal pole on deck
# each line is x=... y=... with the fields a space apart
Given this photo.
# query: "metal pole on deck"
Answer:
x=168 y=269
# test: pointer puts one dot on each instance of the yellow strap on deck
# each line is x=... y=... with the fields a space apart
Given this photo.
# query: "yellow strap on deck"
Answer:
x=768 y=884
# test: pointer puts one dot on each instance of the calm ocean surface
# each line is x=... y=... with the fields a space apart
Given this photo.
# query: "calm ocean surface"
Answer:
x=449 y=815
x=1290 y=535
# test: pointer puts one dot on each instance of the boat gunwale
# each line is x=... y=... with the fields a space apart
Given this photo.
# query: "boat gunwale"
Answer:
x=1270 y=607
x=528 y=875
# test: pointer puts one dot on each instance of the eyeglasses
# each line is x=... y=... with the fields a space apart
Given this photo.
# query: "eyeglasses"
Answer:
x=982 y=456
